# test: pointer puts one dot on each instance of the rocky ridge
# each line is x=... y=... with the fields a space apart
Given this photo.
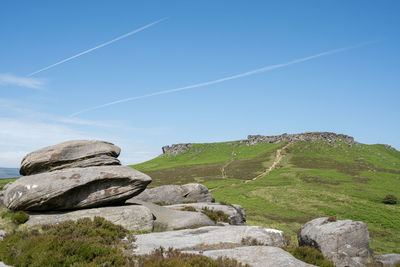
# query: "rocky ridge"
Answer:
x=330 y=137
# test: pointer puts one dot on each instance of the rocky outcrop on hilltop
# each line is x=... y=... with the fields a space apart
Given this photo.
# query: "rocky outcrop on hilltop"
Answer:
x=305 y=137
x=176 y=149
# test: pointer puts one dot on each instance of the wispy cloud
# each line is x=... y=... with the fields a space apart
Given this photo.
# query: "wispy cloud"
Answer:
x=233 y=77
x=10 y=79
x=99 y=46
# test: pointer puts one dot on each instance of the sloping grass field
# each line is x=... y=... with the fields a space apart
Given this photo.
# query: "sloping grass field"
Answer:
x=312 y=180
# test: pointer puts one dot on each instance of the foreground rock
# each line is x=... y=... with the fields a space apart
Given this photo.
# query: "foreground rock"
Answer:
x=175 y=194
x=132 y=217
x=210 y=235
x=257 y=256
x=75 y=188
x=388 y=259
x=63 y=154
x=345 y=242
x=236 y=213
x=166 y=219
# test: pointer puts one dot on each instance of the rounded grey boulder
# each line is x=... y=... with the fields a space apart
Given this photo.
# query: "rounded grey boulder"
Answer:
x=63 y=154
x=75 y=188
x=344 y=241
x=175 y=194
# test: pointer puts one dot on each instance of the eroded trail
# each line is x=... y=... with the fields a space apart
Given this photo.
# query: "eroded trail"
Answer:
x=277 y=160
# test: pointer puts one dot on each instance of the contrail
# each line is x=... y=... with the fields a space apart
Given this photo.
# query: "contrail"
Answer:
x=99 y=46
x=264 y=69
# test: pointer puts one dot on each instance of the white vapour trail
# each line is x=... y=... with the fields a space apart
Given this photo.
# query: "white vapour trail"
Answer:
x=264 y=69
x=99 y=46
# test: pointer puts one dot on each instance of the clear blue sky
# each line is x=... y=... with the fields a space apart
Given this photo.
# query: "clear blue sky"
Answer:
x=355 y=92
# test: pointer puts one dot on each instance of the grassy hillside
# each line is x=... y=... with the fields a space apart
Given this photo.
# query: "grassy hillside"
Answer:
x=311 y=180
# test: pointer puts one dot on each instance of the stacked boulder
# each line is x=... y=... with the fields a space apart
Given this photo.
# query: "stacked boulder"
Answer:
x=80 y=178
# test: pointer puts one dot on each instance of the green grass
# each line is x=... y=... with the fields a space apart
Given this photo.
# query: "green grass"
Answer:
x=3 y=182
x=205 y=162
x=312 y=180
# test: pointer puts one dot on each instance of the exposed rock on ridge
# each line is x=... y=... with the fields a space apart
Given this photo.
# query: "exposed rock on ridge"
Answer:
x=176 y=149
x=305 y=137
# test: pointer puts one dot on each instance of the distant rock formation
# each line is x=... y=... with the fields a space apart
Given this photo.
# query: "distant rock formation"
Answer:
x=305 y=137
x=176 y=149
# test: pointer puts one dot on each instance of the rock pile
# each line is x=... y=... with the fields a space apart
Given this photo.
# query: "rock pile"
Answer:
x=176 y=149
x=305 y=137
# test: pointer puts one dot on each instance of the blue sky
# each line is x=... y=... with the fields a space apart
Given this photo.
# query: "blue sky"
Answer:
x=355 y=91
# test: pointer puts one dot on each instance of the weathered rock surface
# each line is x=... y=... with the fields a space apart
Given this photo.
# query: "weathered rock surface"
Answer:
x=132 y=217
x=344 y=242
x=102 y=160
x=75 y=188
x=2 y=264
x=235 y=212
x=209 y=235
x=257 y=256
x=388 y=259
x=175 y=194
x=47 y=158
x=166 y=219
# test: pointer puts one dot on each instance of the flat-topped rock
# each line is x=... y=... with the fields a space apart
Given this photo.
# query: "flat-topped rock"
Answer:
x=63 y=154
x=132 y=217
x=345 y=242
x=257 y=256
x=75 y=188
x=209 y=235
x=175 y=194
x=235 y=212
x=166 y=219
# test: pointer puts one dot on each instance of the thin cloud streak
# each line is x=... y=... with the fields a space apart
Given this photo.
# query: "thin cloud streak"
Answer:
x=252 y=72
x=99 y=46
x=10 y=79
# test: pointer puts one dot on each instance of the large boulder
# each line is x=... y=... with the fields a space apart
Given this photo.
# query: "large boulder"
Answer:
x=256 y=256
x=344 y=242
x=166 y=219
x=388 y=259
x=64 y=154
x=75 y=188
x=132 y=217
x=175 y=194
x=235 y=212
x=189 y=239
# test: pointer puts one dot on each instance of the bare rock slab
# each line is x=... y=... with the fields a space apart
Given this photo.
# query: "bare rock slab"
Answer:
x=63 y=154
x=75 y=188
x=344 y=241
x=175 y=194
x=132 y=217
x=257 y=256
x=209 y=235
x=167 y=219
x=235 y=212
x=388 y=259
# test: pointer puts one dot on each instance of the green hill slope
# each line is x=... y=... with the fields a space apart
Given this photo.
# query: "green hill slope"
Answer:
x=308 y=180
